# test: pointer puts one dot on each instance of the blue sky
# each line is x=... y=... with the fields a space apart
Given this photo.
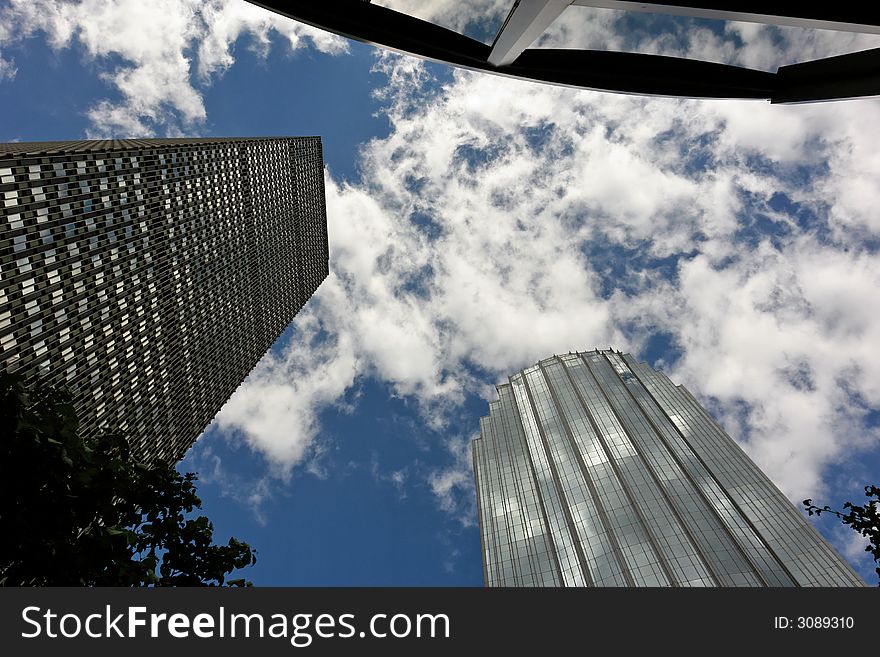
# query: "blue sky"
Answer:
x=478 y=224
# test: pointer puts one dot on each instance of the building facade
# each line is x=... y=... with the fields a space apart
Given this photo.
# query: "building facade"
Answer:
x=149 y=276
x=593 y=469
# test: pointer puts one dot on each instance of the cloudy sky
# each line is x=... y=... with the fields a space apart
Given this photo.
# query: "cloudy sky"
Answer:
x=478 y=224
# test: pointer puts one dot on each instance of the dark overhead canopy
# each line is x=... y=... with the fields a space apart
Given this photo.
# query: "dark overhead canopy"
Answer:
x=845 y=76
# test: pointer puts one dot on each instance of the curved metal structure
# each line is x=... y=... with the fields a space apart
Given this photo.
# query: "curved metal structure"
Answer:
x=846 y=76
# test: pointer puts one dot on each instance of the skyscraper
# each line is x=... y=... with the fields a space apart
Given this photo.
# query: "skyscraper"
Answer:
x=595 y=470
x=149 y=276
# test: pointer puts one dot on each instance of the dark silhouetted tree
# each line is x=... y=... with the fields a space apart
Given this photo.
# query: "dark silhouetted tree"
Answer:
x=76 y=511
x=863 y=519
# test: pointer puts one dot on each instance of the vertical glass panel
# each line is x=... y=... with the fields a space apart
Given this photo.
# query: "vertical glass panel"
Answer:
x=561 y=537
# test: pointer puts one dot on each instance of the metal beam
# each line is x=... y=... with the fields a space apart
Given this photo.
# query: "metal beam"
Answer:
x=526 y=21
x=635 y=73
x=846 y=76
x=854 y=75
x=843 y=16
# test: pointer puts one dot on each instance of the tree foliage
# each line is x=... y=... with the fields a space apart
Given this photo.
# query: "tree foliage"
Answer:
x=77 y=511
x=863 y=519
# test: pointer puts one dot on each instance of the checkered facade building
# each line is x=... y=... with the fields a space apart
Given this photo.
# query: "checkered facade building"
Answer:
x=149 y=276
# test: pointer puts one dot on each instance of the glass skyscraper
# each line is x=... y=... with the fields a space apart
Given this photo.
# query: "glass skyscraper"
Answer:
x=593 y=469
x=149 y=276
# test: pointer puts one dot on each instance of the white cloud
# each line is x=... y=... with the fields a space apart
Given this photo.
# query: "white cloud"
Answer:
x=854 y=545
x=277 y=407
x=7 y=69
x=787 y=333
x=752 y=45
x=248 y=492
x=518 y=180
x=153 y=41
x=226 y=21
x=767 y=47
x=396 y=478
x=453 y=486
x=453 y=14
